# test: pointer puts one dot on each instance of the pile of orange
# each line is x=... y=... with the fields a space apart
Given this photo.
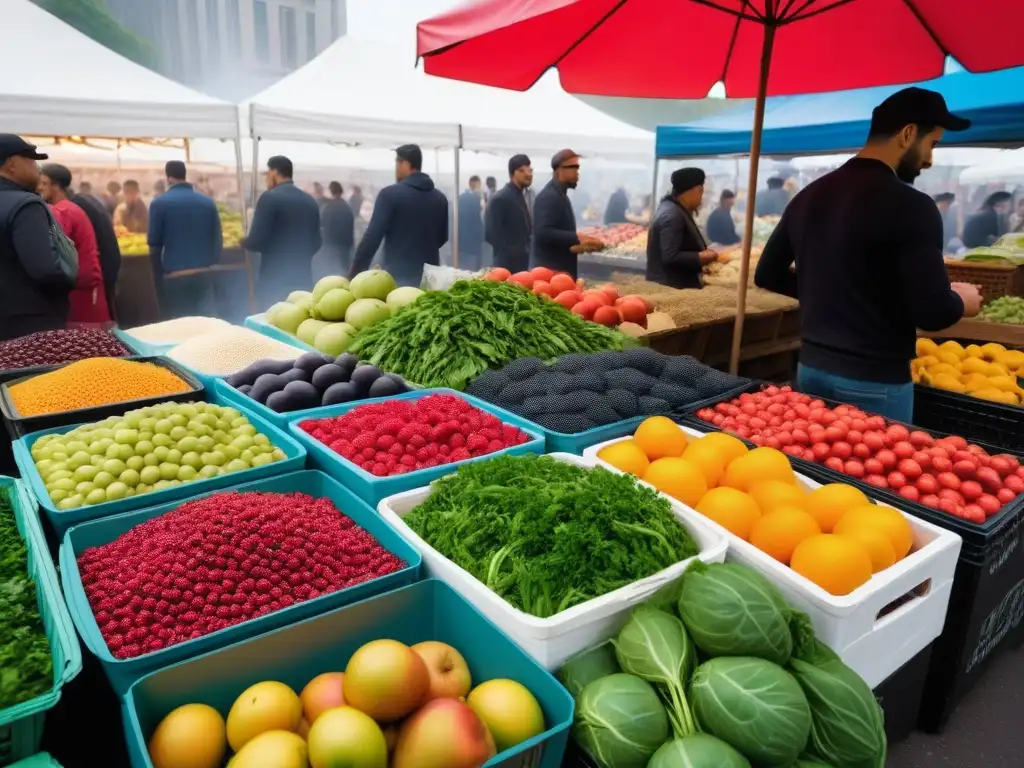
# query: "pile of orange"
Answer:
x=833 y=535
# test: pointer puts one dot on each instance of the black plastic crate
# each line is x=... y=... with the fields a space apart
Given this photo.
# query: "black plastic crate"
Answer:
x=970 y=417
x=18 y=426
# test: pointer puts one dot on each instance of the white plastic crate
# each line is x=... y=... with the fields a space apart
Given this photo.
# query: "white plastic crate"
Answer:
x=874 y=645
x=553 y=640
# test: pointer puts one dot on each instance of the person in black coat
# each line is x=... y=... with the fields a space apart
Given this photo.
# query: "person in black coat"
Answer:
x=615 y=211
x=555 y=241
x=508 y=220
x=338 y=222
x=471 y=226
x=285 y=232
x=106 y=243
x=410 y=217
x=721 y=227
x=676 y=249
x=986 y=226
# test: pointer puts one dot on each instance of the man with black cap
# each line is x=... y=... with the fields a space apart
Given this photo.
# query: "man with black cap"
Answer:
x=676 y=249
x=410 y=217
x=38 y=264
x=285 y=232
x=868 y=253
x=555 y=242
x=508 y=220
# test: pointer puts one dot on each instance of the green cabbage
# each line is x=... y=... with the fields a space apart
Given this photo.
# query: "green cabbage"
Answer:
x=754 y=705
x=654 y=646
x=699 y=750
x=620 y=721
x=847 y=726
x=588 y=666
x=730 y=610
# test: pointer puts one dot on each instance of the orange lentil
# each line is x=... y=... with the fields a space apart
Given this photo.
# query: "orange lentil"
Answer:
x=93 y=382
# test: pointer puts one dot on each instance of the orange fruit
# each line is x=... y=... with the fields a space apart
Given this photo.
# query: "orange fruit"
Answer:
x=772 y=494
x=756 y=466
x=733 y=510
x=895 y=526
x=830 y=502
x=659 y=437
x=708 y=458
x=679 y=478
x=877 y=544
x=837 y=564
x=626 y=456
x=780 y=531
x=729 y=446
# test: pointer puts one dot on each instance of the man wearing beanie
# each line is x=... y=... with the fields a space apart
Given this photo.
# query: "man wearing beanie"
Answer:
x=508 y=220
x=555 y=242
x=676 y=249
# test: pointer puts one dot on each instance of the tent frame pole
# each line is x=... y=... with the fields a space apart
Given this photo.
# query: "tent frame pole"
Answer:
x=654 y=187
x=458 y=191
x=748 y=230
x=240 y=180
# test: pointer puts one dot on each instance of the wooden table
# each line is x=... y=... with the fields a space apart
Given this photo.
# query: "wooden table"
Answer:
x=979 y=330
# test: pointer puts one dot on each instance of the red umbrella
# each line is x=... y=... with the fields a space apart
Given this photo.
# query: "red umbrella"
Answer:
x=678 y=49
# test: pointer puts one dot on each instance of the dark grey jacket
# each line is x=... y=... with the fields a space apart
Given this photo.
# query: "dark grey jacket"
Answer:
x=674 y=243
x=554 y=230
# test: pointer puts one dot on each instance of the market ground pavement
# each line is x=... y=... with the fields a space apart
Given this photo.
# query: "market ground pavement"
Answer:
x=84 y=730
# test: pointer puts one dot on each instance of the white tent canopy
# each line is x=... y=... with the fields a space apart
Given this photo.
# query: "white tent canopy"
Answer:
x=93 y=91
x=1007 y=166
x=370 y=93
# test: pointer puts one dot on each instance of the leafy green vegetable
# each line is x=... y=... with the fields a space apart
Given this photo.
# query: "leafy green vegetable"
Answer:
x=620 y=721
x=546 y=535
x=588 y=666
x=805 y=763
x=754 y=705
x=847 y=726
x=654 y=646
x=26 y=668
x=731 y=610
x=699 y=750
x=448 y=338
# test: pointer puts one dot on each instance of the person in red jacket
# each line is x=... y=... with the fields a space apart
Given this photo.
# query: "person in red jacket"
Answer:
x=88 y=299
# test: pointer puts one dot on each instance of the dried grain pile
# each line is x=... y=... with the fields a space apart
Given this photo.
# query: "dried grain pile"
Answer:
x=712 y=302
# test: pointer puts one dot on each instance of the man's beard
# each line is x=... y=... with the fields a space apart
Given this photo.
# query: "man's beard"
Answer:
x=571 y=184
x=909 y=167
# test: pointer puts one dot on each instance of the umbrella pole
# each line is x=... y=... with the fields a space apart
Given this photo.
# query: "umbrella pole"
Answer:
x=748 y=230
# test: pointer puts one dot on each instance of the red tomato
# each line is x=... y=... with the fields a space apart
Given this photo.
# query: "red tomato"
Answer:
x=756 y=439
x=861 y=451
x=927 y=484
x=854 y=436
x=896 y=480
x=989 y=479
x=541 y=288
x=897 y=433
x=525 y=279
x=948 y=480
x=990 y=504
x=800 y=437
x=974 y=513
x=789 y=415
x=793 y=450
x=888 y=459
x=903 y=450
x=924 y=459
x=842 y=450
x=802 y=410
x=771 y=390
x=542 y=273
x=977 y=450
x=910 y=468
x=875 y=422
x=821 y=451
x=1001 y=465
x=1020 y=472
x=874 y=441
x=562 y=282
x=873 y=466
x=878 y=481
x=921 y=439
x=828 y=417
x=971 y=489
x=930 y=500
x=962 y=456
x=853 y=468
x=775 y=409
x=772 y=442
x=756 y=422
x=941 y=451
x=859 y=424
x=957 y=441
x=1014 y=461
x=834 y=463
x=965 y=470
x=834 y=433
x=910 y=492
x=942 y=464
x=949 y=507
x=809 y=455
x=1005 y=495
x=744 y=431
x=498 y=275
x=1014 y=483
x=949 y=493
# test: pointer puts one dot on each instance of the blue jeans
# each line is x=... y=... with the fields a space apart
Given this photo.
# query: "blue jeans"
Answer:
x=894 y=401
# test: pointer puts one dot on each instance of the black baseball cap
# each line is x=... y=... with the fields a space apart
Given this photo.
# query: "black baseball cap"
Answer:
x=12 y=145
x=561 y=156
x=916 y=105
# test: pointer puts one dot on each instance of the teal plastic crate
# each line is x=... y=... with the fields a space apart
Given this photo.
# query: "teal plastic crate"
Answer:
x=42 y=760
x=429 y=610
x=123 y=672
x=259 y=323
x=21 y=726
x=61 y=520
x=372 y=488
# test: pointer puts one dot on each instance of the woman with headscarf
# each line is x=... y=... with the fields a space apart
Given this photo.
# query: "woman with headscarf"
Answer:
x=986 y=226
x=676 y=249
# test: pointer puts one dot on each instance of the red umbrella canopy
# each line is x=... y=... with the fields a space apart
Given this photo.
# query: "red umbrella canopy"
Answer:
x=678 y=49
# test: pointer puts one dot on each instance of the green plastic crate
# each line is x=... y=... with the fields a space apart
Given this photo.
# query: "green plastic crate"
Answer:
x=42 y=760
x=21 y=726
x=427 y=610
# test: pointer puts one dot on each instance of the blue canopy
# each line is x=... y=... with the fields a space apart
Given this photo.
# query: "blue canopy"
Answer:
x=838 y=121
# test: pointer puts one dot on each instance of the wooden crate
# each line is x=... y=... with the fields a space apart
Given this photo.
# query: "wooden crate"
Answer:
x=996 y=280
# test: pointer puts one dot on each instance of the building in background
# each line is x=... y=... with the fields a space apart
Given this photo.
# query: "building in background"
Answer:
x=232 y=48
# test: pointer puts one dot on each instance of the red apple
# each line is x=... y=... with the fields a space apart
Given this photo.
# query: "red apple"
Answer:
x=449 y=673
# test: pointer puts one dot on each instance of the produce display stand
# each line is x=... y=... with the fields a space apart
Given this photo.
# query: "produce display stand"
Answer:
x=602 y=266
x=987 y=599
x=427 y=610
x=123 y=672
x=259 y=324
x=975 y=419
x=981 y=331
x=21 y=726
x=995 y=279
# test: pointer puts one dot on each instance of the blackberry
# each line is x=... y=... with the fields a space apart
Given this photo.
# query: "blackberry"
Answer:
x=560 y=383
x=488 y=385
x=602 y=413
x=684 y=370
x=650 y=406
x=715 y=382
x=623 y=401
x=674 y=394
x=523 y=368
x=645 y=360
x=566 y=423
x=591 y=380
x=629 y=379
x=605 y=361
x=574 y=363
x=520 y=391
x=533 y=406
x=575 y=402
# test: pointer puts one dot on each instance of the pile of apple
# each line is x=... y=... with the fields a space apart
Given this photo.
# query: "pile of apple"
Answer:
x=599 y=305
x=948 y=473
x=614 y=234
